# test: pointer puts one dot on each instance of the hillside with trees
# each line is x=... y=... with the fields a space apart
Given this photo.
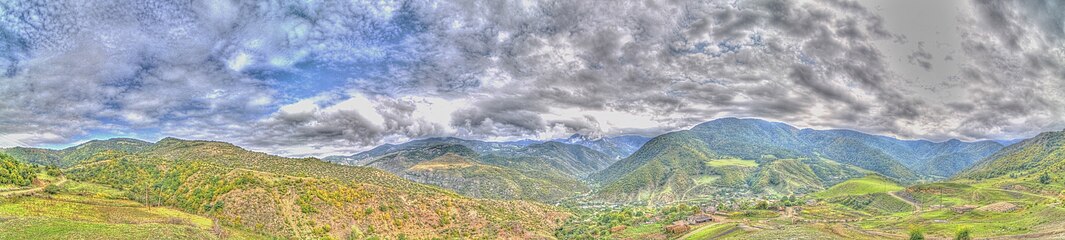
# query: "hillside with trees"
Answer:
x=304 y=198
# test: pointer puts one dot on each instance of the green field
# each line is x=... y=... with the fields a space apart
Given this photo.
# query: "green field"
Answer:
x=81 y=210
x=731 y=162
x=710 y=231
x=860 y=186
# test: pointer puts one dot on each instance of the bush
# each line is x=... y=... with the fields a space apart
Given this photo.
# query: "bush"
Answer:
x=963 y=234
x=53 y=171
x=52 y=189
x=1045 y=178
x=916 y=234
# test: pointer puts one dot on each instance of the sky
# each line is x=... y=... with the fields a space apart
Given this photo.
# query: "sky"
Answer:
x=317 y=78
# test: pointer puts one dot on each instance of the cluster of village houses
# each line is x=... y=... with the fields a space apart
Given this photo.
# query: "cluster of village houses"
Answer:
x=711 y=213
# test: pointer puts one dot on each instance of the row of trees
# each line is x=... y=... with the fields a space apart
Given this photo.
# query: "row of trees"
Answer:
x=15 y=172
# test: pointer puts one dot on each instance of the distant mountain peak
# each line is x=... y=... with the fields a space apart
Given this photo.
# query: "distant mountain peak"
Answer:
x=577 y=137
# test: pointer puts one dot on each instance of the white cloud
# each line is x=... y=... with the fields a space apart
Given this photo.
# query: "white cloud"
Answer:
x=387 y=71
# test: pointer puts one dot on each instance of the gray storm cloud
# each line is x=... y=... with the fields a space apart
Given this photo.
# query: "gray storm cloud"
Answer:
x=366 y=73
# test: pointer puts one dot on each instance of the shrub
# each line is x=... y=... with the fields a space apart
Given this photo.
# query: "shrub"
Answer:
x=916 y=234
x=963 y=234
x=52 y=189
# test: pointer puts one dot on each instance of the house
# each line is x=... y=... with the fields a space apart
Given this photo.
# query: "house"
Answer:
x=699 y=218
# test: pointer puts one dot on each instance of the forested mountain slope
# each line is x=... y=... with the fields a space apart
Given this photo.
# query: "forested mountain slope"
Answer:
x=465 y=171
x=76 y=154
x=751 y=156
x=1036 y=165
x=304 y=198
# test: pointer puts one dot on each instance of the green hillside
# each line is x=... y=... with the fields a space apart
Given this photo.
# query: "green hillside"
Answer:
x=460 y=169
x=475 y=179
x=1025 y=161
x=77 y=210
x=15 y=173
x=859 y=186
x=677 y=167
x=723 y=159
x=303 y=198
x=77 y=154
x=870 y=194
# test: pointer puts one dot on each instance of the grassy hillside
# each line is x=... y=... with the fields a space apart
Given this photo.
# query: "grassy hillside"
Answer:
x=1036 y=165
x=472 y=178
x=871 y=195
x=304 y=198
x=676 y=167
x=77 y=154
x=458 y=168
x=76 y=210
x=861 y=186
x=1043 y=153
x=1038 y=216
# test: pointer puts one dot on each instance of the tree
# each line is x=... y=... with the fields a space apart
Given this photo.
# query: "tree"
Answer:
x=963 y=234
x=1045 y=178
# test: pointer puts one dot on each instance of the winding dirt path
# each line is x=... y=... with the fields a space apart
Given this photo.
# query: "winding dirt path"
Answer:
x=916 y=207
x=29 y=191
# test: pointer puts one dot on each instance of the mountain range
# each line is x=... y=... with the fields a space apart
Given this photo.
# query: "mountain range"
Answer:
x=478 y=189
x=729 y=156
x=291 y=197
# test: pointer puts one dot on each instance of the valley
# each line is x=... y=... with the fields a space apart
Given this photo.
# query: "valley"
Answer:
x=724 y=179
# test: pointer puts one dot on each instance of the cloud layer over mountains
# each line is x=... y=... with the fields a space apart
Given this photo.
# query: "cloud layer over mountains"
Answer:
x=325 y=77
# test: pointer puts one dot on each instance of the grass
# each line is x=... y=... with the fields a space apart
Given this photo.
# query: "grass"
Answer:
x=860 y=186
x=642 y=231
x=731 y=162
x=707 y=232
x=808 y=231
x=1034 y=215
x=82 y=188
x=42 y=218
x=92 y=211
x=58 y=228
x=58 y=209
x=945 y=223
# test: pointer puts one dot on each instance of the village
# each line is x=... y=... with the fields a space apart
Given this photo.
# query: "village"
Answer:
x=719 y=212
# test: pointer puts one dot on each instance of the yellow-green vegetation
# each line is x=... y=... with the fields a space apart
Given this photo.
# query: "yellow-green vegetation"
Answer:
x=77 y=154
x=739 y=157
x=14 y=172
x=860 y=186
x=624 y=223
x=458 y=168
x=731 y=162
x=760 y=187
x=66 y=216
x=711 y=231
x=305 y=198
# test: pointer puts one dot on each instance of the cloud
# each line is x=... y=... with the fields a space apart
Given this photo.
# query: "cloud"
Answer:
x=323 y=77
